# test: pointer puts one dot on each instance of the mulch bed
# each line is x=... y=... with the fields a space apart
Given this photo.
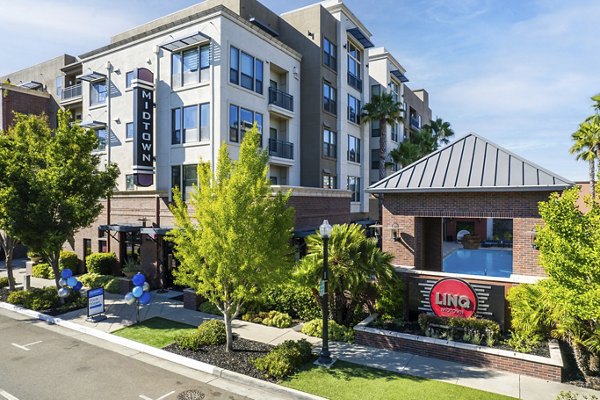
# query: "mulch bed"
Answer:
x=238 y=360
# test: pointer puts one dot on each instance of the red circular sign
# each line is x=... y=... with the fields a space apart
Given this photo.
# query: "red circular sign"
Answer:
x=453 y=297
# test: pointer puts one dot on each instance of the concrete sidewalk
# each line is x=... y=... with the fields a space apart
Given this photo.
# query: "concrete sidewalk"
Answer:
x=119 y=315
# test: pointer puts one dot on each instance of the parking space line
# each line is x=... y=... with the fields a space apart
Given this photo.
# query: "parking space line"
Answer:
x=25 y=346
x=7 y=395
x=164 y=396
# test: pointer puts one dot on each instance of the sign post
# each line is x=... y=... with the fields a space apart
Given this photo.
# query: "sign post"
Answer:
x=95 y=305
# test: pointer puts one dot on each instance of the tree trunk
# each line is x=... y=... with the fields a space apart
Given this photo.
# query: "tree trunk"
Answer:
x=227 y=319
x=53 y=259
x=581 y=358
x=9 y=268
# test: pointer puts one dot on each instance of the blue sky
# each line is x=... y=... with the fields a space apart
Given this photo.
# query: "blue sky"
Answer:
x=519 y=73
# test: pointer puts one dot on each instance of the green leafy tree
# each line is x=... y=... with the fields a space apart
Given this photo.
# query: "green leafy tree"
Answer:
x=587 y=146
x=569 y=244
x=357 y=266
x=50 y=183
x=237 y=240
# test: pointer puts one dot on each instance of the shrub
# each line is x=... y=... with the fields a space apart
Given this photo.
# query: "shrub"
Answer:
x=271 y=318
x=42 y=299
x=212 y=332
x=295 y=301
x=42 y=270
x=390 y=299
x=528 y=317
x=338 y=333
x=3 y=282
x=112 y=285
x=189 y=341
x=475 y=329
x=92 y=280
x=17 y=297
x=284 y=359
x=523 y=343
x=68 y=259
x=209 y=308
x=101 y=263
x=568 y=395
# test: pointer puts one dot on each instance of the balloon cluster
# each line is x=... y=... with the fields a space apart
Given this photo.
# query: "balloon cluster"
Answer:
x=67 y=283
x=140 y=291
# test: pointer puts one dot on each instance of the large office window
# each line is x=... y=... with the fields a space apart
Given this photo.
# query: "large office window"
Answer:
x=329 y=143
x=354 y=187
x=245 y=70
x=101 y=134
x=184 y=177
x=190 y=124
x=354 y=66
x=190 y=66
x=98 y=93
x=329 y=54
x=353 y=149
x=375 y=159
x=353 y=109
x=329 y=98
x=375 y=128
x=242 y=119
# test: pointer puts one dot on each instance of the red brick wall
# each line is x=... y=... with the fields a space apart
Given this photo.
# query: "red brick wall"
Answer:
x=400 y=211
x=311 y=211
x=23 y=103
x=460 y=355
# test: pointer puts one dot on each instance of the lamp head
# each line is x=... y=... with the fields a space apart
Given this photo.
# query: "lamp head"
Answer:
x=325 y=229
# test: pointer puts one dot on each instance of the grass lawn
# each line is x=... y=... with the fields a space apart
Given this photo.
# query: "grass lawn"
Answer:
x=157 y=332
x=350 y=381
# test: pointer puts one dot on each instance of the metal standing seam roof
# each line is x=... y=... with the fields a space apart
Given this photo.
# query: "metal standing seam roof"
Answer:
x=471 y=163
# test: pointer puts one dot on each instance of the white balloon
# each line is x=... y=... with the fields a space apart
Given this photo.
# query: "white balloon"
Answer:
x=63 y=292
x=62 y=282
x=129 y=298
x=146 y=286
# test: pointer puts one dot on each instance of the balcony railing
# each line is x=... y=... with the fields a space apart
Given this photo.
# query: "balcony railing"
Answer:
x=71 y=92
x=355 y=82
x=414 y=123
x=281 y=148
x=281 y=99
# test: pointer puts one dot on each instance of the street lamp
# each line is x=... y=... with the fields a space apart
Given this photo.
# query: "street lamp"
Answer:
x=325 y=356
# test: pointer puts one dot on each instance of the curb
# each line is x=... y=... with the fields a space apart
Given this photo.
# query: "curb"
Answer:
x=163 y=354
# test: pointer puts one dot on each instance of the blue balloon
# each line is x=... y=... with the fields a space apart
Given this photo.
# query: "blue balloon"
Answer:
x=78 y=286
x=145 y=299
x=138 y=279
x=66 y=273
x=137 y=291
x=72 y=281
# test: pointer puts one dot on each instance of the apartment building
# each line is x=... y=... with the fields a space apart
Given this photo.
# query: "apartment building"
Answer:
x=206 y=74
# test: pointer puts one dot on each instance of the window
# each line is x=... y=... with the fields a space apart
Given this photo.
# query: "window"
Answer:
x=245 y=70
x=129 y=130
x=375 y=128
x=130 y=246
x=190 y=178
x=329 y=54
x=375 y=159
x=102 y=138
x=128 y=79
x=354 y=187
x=190 y=124
x=395 y=91
x=87 y=249
x=98 y=93
x=190 y=66
x=353 y=109
x=102 y=246
x=394 y=134
x=329 y=98
x=175 y=177
x=353 y=149
x=375 y=90
x=129 y=182
x=242 y=119
x=329 y=143
x=354 y=66
x=329 y=181
x=59 y=85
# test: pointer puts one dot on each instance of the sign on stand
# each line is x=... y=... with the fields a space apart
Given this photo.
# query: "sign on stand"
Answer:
x=95 y=305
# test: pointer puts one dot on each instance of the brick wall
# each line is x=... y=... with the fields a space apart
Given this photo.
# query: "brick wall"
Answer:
x=24 y=103
x=517 y=365
x=311 y=211
x=402 y=212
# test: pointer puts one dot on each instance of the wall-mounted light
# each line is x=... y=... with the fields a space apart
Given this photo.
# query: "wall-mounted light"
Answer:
x=395 y=232
x=344 y=45
x=533 y=235
x=311 y=34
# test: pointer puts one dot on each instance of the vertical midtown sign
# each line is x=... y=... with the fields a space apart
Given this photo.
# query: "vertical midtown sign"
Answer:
x=143 y=127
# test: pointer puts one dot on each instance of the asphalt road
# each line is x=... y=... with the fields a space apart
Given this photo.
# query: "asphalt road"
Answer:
x=38 y=363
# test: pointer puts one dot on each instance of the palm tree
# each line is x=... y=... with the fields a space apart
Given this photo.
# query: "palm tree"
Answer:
x=441 y=131
x=387 y=111
x=587 y=146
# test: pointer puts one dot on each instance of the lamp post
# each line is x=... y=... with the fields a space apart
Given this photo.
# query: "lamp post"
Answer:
x=325 y=356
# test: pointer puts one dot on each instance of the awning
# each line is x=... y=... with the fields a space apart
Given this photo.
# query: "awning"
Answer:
x=399 y=75
x=264 y=26
x=92 y=124
x=189 y=40
x=155 y=231
x=120 y=228
x=31 y=85
x=362 y=39
x=92 y=77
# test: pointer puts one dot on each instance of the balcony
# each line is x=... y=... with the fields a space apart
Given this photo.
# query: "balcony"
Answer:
x=355 y=82
x=281 y=99
x=281 y=148
x=414 y=123
x=71 y=92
